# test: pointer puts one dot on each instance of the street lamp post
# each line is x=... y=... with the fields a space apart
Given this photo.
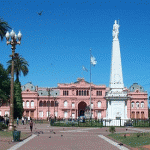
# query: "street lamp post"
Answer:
x=48 y=89
x=13 y=43
x=54 y=106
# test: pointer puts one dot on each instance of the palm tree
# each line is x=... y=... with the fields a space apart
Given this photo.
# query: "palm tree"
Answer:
x=4 y=27
x=20 y=65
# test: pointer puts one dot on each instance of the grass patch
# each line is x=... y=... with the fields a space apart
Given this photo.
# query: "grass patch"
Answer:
x=9 y=135
x=132 y=140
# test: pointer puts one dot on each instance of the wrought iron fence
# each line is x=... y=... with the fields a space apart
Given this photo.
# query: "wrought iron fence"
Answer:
x=100 y=122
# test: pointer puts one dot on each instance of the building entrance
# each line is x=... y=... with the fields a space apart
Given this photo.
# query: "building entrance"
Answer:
x=81 y=109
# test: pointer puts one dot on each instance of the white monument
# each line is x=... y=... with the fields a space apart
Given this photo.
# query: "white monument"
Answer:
x=116 y=97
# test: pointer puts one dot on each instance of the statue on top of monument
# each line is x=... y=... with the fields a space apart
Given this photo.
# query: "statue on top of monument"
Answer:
x=115 y=30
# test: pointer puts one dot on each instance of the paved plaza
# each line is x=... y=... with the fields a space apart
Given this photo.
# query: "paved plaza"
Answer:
x=70 y=138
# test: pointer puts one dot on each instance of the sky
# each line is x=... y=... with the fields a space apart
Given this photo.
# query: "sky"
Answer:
x=57 y=44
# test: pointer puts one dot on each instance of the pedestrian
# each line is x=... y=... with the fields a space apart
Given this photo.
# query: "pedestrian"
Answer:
x=28 y=119
x=31 y=125
x=22 y=120
x=7 y=121
x=17 y=121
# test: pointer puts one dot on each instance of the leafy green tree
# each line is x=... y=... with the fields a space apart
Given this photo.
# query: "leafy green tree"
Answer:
x=4 y=85
x=20 y=65
x=4 y=27
x=18 y=104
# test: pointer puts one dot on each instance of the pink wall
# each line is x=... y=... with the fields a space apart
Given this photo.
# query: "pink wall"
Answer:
x=35 y=110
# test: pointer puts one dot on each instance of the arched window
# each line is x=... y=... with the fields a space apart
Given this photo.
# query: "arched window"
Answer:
x=133 y=114
x=142 y=104
x=44 y=104
x=87 y=93
x=48 y=103
x=99 y=104
x=65 y=103
x=137 y=115
x=23 y=103
x=142 y=115
x=137 y=104
x=32 y=104
x=132 y=104
x=40 y=104
x=79 y=93
x=52 y=103
x=27 y=104
x=84 y=93
x=76 y=92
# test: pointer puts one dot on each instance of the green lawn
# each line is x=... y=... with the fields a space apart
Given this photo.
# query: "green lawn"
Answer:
x=9 y=135
x=132 y=140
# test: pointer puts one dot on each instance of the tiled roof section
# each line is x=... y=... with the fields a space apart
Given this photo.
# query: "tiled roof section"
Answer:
x=135 y=87
x=52 y=93
x=29 y=86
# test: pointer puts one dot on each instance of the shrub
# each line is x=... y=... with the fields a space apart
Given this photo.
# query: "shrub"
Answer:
x=138 y=134
x=112 y=129
x=3 y=126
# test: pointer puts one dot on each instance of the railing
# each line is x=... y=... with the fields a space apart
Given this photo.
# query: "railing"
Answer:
x=101 y=122
x=27 y=107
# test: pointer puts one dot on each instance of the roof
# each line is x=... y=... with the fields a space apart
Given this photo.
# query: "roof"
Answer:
x=135 y=87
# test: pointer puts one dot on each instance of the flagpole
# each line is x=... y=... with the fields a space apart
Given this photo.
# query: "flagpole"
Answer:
x=90 y=85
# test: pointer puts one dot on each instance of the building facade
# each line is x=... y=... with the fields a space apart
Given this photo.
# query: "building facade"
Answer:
x=70 y=100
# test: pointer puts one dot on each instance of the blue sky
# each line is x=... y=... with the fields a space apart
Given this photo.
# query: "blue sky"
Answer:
x=56 y=44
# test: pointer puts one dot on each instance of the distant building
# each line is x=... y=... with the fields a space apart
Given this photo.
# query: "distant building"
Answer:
x=72 y=99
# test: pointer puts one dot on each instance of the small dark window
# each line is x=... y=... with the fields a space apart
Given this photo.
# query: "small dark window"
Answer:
x=76 y=92
x=79 y=93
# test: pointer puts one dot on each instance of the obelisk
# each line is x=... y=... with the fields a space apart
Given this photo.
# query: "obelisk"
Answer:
x=116 y=97
x=116 y=78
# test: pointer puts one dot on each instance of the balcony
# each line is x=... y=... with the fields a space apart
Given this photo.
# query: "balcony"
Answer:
x=27 y=107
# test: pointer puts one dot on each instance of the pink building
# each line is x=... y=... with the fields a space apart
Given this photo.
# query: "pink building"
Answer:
x=71 y=100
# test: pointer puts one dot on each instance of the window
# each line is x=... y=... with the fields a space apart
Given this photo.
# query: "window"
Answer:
x=142 y=104
x=132 y=104
x=73 y=115
x=40 y=104
x=99 y=114
x=56 y=113
x=0 y=113
x=73 y=105
x=41 y=114
x=76 y=92
x=23 y=104
x=91 y=105
x=7 y=113
x=99 y=93
x=49 y=113
x=32 y=104
x=137 y=104
x=99 y=104
x=79 y=93
x=84 y=93
x=27 y=104
x=87 y=93
x=65 y=114
x=65 y=93
x=65 y=103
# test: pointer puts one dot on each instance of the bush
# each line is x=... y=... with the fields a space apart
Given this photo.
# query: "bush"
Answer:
x=3 y=126
x=112 y=129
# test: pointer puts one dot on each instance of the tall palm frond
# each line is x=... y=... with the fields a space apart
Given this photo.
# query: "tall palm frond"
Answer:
x=4 y=27
x=20 y=65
